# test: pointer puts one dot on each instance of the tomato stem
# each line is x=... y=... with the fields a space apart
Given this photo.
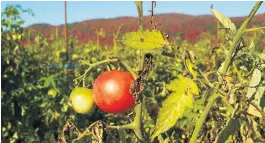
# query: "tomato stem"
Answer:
x=127 y=126
x=136 y=125
x=228 y=61
x=137 y=121
x=84 y=83
x=92 y=65
x=130 y=69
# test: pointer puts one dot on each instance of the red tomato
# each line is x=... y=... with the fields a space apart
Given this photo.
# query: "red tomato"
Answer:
x=112 y=91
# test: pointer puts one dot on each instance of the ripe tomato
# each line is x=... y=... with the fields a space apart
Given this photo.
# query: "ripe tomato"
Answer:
x=112 y=91
x=82 y=101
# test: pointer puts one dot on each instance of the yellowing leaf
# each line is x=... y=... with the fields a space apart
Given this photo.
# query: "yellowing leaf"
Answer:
x=189 y=65
x=174 y=105
x=182 y=84
x=145 y=40
x=226 y=22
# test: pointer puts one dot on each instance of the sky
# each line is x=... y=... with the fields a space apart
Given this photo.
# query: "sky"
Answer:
x=52 y=12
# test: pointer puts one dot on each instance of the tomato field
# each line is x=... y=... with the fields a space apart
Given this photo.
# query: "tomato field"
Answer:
x=145 y=87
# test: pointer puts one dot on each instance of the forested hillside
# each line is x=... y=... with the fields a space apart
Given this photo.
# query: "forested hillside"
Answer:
x=188 y=27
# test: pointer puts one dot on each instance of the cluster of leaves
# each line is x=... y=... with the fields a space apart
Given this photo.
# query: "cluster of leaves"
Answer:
x=37 y=81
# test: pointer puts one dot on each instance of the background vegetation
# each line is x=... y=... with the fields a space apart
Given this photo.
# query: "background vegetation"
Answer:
x=37 y=79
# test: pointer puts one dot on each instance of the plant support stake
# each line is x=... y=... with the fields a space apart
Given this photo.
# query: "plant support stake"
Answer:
x=65 y=32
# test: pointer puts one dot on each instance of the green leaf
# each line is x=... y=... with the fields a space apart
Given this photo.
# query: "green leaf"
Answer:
x=226 y=22
x=260 y=93
x=262 y=103
x=145 y=40
x=190 y=66
x=174 y=105
x=255 y=128
x=258 y=97
x=199 y=104
x=254 y=81
x=232 y=125
x=252 y=45
x=256 y=77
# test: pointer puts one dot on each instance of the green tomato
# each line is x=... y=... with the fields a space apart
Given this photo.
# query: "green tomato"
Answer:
x=82 y=100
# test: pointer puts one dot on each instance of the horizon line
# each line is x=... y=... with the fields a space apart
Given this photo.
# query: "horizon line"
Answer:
x=110 y=18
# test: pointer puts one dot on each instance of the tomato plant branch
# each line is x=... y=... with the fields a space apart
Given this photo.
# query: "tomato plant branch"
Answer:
x=81 y=135
x=138 y=121
x=92 y=65
x=228 y=61
x=236 y=40
x=129 y=68
x=135 y=125
x=200 y=121
x=220 y=91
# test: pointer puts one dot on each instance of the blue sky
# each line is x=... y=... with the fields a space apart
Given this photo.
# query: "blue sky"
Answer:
x=52 y=12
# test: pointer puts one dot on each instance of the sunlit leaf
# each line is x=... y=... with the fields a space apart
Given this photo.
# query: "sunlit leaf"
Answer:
x=254 y=81
x=174 y=105
x=259 y=93
x=252 y=45
x=226 y=22
x=253 y=111
x=190 y=66
x=256 y=77
x=145 y=40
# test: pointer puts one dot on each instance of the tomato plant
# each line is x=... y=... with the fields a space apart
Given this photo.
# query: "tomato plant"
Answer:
x=82 y=100
x=112 y=91
x=211 y=90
